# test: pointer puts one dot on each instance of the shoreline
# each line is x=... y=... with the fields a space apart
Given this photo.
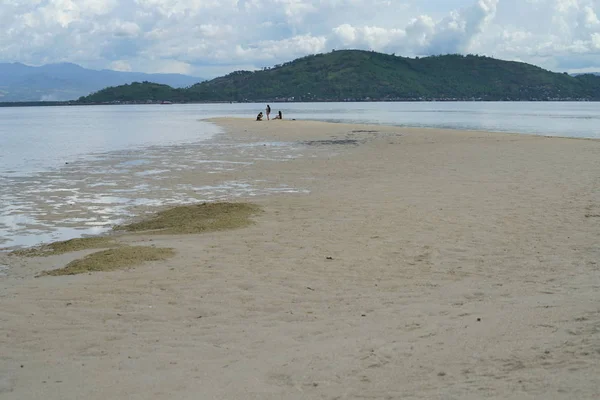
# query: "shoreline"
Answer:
x=420 y=263
x=94 y=194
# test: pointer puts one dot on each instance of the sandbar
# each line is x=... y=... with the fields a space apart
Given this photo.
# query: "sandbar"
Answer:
x=409 y=264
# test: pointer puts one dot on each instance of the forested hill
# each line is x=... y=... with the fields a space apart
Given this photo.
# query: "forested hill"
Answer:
x=355 y=75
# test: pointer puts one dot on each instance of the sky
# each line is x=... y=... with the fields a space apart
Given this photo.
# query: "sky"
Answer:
x=209 y=38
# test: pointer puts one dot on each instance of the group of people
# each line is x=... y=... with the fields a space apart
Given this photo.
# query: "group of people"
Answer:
x=259 y=117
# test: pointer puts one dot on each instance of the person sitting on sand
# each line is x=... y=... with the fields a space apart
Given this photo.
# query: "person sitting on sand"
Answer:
x=279 y=115
x=259 y=116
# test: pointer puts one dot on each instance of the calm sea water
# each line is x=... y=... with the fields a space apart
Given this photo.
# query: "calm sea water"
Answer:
x=36 y=138
x=59 y=164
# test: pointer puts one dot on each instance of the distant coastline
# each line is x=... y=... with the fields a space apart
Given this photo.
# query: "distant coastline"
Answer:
x=117 y=103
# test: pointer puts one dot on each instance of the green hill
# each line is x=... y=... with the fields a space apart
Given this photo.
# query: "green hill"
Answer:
x=356 y=75
x=136 y=92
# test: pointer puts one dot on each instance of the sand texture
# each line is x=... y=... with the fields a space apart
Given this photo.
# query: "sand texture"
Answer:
x=408 y=264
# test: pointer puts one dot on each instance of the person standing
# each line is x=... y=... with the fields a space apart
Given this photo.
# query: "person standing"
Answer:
x=268 y=111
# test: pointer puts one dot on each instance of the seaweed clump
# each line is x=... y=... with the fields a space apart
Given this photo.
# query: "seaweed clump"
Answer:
x=66 y=246
x=113 y=259
x=196 y=218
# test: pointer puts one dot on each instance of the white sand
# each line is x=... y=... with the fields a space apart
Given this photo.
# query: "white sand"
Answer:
x=464 y=265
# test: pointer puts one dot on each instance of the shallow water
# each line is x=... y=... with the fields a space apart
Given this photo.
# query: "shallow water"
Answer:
x=90 y=196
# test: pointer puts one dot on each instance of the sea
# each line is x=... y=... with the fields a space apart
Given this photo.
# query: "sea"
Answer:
x=73 y=171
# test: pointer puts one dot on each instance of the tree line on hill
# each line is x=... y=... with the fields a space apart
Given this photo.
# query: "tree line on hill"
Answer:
x=356 y=75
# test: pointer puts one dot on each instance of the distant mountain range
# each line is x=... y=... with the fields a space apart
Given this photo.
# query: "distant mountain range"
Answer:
x=66 y=81
x=356 y=75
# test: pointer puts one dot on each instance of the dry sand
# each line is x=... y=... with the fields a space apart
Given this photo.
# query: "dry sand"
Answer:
x=423 y=264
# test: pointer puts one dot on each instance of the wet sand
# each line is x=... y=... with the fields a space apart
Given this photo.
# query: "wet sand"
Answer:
x=410 y=263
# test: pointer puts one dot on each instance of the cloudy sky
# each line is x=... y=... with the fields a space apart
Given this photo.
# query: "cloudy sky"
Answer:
x=207 y=38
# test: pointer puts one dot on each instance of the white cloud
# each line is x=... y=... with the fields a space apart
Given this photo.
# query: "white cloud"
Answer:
x=561 y=36
x=124 y=28
x=173 y=67
x=296 y=46
x=452 y=34
x=589 y=18
x=596 y=41
x=372 y=37
x=214 y=37
x=455 y=32
x=120 y=65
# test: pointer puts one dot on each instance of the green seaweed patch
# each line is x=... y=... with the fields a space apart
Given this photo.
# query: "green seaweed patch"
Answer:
x=113 y=259
x=196 y=218
x=66 y=246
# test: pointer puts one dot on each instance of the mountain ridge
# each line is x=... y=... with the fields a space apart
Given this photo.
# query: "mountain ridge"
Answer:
x=68 y=81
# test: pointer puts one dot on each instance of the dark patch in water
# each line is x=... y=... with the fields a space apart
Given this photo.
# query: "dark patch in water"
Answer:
x=364 y=131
